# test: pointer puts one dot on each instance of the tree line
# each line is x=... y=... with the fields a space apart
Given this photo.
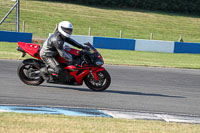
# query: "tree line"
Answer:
x=187 y=6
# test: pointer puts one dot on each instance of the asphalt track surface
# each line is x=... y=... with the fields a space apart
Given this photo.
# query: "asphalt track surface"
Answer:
x=150 y=89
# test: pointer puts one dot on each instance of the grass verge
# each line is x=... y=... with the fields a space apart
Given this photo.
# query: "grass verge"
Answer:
x=38 y=123
x=42 y=16
x=125 y=57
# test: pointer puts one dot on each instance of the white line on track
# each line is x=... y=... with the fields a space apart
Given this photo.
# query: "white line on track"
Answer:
x=154 y=116
x=139 y=115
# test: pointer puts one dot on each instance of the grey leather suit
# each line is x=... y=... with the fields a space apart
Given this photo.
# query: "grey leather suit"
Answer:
x=54 y=46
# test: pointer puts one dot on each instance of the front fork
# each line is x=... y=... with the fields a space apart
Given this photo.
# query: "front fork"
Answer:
x=94 y=72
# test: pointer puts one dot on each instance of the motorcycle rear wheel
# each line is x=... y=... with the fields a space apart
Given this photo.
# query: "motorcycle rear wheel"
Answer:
x=102 y=84
x=29 y=73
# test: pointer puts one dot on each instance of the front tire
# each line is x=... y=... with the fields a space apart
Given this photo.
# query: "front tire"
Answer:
x=29 y=72
x=102 y=84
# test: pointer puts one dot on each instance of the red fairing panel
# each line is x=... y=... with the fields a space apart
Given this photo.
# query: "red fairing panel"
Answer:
x=72 y=51
x=31 y=49
x=60 y=59
x=68 y=50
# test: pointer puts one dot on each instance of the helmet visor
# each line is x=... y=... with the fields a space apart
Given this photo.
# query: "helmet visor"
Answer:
x=67 y=30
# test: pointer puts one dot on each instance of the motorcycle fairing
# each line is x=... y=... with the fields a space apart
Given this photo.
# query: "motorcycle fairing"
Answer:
x=79 y=77
x=72 y=51
x=31 y=49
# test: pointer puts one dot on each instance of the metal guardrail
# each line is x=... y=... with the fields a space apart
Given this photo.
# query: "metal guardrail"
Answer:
x=16 y=5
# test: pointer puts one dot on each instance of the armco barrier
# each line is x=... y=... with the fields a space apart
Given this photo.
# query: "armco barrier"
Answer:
x=83 y=39
x=146 y=45
x=114 y=43
x=7 y=36
x=154 y=46
x=181 y=47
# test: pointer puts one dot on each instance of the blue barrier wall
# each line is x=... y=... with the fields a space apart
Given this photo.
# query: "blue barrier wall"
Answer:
x=114 y=43
x=6 y=36
x=181 y=47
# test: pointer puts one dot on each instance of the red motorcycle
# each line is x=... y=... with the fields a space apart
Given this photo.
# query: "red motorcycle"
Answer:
x=87 y=67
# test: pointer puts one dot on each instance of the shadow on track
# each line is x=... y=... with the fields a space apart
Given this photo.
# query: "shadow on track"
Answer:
x=115 y=92
x=142 y=94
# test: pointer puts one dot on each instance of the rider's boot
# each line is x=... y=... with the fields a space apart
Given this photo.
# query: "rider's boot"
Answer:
x=44 y=73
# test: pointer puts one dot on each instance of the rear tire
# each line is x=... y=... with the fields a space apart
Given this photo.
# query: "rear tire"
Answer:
x=102 y=84
x=29 y=72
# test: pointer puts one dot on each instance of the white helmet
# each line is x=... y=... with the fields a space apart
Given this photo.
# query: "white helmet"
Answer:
x=65 y=28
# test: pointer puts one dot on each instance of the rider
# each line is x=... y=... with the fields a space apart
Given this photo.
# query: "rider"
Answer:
x=54 y=45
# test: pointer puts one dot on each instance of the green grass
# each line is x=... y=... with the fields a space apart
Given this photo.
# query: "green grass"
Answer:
x=125 y=57
x=151 y=59
x=9 y=51
x=32 y=123
x=42 y=16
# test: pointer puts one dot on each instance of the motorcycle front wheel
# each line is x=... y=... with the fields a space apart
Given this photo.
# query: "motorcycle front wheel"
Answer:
x=29 y=73
x=98 y=85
